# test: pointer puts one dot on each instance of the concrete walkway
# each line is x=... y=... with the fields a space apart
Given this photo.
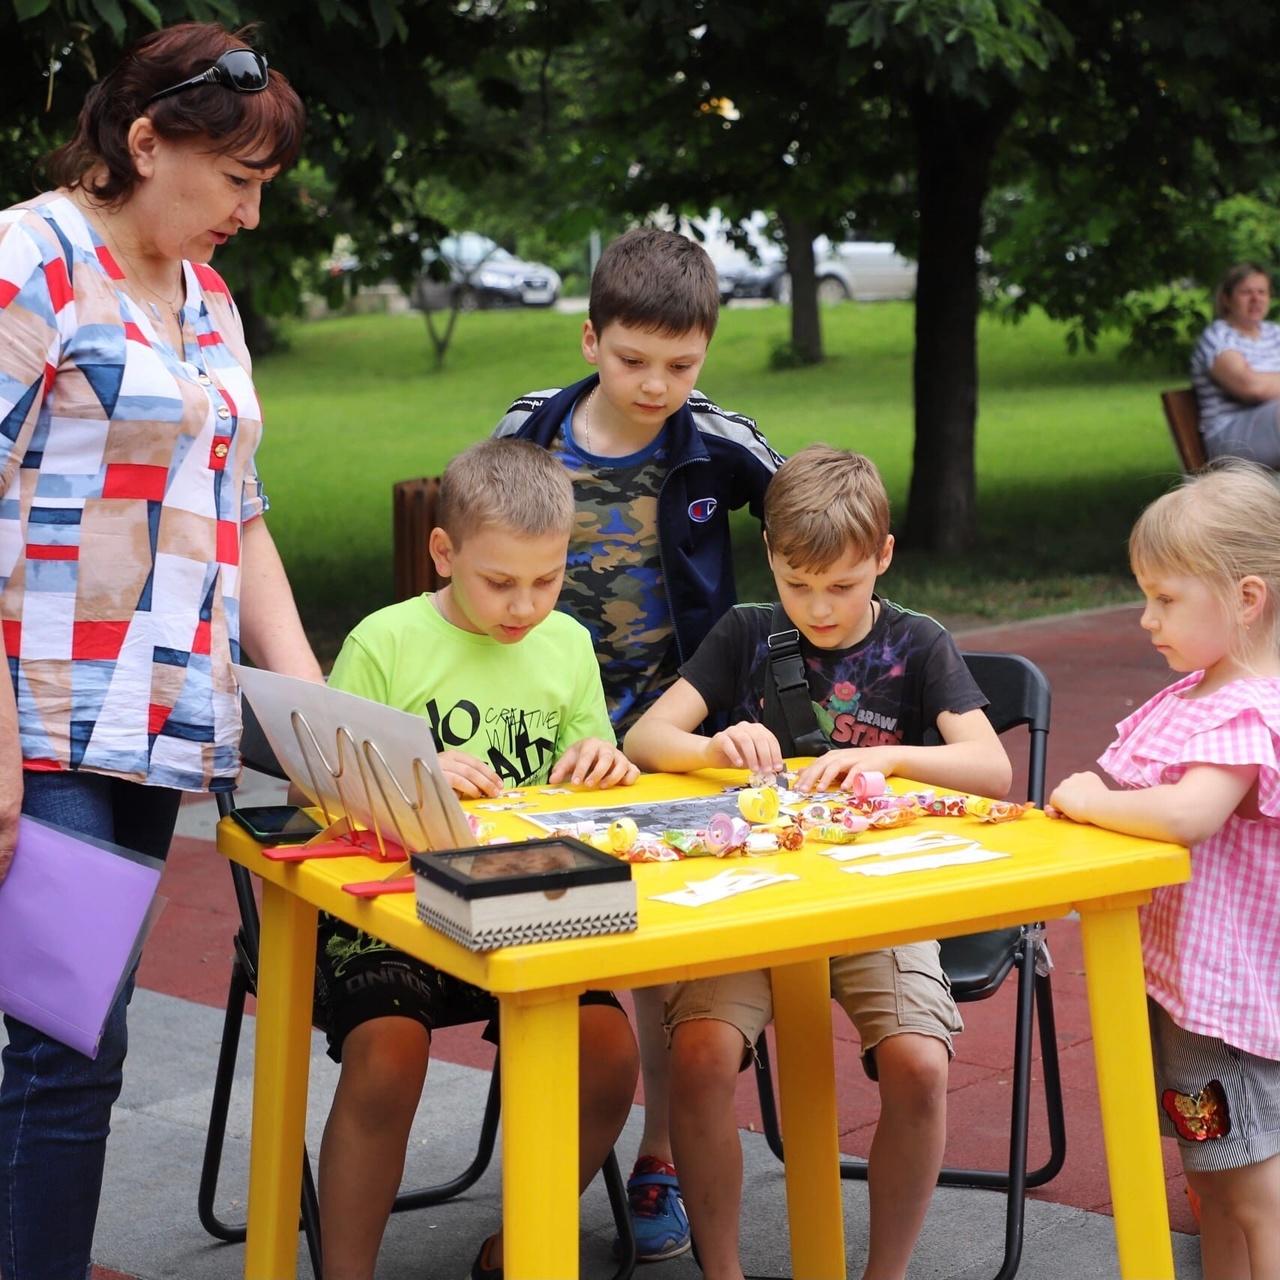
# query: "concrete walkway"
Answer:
x=1100 y=665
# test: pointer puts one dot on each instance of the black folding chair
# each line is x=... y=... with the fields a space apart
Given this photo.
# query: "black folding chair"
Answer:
x=977 y=965
x=258 y=755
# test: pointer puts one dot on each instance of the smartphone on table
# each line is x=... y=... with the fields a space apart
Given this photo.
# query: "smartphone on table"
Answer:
x=277 y=823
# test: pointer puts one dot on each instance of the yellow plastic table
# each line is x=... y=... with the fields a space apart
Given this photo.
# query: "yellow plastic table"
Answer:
x=793 y=928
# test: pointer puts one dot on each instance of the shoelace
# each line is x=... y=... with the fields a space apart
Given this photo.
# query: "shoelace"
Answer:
x=648 y=1201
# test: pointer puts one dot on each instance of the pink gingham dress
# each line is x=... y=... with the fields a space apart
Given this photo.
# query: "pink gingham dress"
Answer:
x=1211 y=947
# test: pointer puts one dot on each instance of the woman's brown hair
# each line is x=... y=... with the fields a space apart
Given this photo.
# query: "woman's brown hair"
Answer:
x=1234 y=277
x=233 y=123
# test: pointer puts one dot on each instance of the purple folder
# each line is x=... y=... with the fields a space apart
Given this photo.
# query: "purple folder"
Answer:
x=74 y=912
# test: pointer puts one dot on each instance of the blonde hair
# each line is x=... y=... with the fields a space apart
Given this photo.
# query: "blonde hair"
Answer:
x=823 y=502
x=513 y=484
x=1219 y=526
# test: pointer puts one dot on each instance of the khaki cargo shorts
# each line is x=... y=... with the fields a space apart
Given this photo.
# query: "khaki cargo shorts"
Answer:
x=885 y=993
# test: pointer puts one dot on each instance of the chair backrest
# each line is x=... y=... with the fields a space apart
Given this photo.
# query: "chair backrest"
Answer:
x=1017 y=693
x=413 y=514
x=1182 y=412
x=256 y=753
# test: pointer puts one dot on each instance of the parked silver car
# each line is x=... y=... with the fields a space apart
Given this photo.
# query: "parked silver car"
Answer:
x=483 y=274
x=861 y=269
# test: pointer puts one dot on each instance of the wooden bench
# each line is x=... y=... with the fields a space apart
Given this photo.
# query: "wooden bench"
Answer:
x=1182 y=412
x=413 y=514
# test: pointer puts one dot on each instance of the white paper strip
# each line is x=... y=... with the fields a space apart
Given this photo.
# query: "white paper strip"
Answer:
x=727 y=884
x=926 y=862
x=919 y=842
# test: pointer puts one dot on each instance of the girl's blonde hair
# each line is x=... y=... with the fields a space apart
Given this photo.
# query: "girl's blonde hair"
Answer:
x=1219 y=526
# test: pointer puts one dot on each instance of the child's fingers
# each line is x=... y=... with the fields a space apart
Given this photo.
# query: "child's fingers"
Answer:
x=830 y=777
x=596 y=767
x=474 y=774
x=758 y=749
x=461 y=785
x=616 y=769
x=586 y=761
x=804 y=779
x=564 y=766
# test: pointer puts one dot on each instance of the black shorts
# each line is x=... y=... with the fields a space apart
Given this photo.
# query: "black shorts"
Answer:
x=359 y=978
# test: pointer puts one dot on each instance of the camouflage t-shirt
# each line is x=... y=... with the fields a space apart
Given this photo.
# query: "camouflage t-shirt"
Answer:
x=613 y=584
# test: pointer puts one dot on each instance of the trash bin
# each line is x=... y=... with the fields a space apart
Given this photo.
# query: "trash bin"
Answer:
x=413 y=514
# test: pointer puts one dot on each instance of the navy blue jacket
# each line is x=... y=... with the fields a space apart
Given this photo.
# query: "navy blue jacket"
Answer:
x=718 y=461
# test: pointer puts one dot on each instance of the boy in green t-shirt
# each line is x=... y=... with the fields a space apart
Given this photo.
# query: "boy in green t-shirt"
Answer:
x=512 y=692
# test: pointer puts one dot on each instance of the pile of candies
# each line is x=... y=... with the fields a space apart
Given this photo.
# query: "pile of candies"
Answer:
x=762 y=825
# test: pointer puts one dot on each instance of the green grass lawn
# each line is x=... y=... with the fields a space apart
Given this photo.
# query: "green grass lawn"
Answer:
x=1069 y=447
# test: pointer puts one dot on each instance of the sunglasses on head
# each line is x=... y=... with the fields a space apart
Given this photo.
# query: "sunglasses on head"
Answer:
x=242 y=70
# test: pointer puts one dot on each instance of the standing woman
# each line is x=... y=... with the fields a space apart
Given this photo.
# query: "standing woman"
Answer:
x=134 y=559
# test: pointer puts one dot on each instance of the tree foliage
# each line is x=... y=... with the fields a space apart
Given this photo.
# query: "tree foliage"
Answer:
x=1099 y=159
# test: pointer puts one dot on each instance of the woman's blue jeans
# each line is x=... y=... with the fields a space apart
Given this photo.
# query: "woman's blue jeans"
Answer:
x=55 y=1104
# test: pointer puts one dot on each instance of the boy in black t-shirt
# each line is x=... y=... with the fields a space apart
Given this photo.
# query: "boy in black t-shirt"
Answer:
x=881 y=681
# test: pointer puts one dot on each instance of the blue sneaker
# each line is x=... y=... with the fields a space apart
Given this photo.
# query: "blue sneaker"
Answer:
x=658 y=1218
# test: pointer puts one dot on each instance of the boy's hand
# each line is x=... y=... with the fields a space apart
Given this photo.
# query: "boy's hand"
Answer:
x=1076 y=796
x=747 y=745
x=595 y=763
x=468 y=776
x=837 y=769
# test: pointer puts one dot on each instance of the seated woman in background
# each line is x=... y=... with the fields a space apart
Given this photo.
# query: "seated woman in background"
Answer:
x=1236 y=371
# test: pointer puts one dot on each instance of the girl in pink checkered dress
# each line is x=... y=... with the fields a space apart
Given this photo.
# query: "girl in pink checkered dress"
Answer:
x=1199 y=764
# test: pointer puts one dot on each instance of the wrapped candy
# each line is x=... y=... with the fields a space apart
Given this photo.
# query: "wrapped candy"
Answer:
x=921 y=799
x=887 y=802
x=818 y=811
x=791 y=836
x=690 y=844
x=759 y=804
x=997 y=810
x=948 y=806
x=888 y=819
x=726 y=832
x=867 y=784
x=834 y=833
x=480 y=828
x=622 y=835
x=597 y=840
x=650 y=849
x=850 y=820
x=581 y=830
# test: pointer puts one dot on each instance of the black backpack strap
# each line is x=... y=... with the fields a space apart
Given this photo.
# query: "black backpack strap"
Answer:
x=791 y=687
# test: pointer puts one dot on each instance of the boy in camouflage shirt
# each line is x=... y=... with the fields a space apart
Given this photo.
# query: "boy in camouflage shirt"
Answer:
x=656 y=469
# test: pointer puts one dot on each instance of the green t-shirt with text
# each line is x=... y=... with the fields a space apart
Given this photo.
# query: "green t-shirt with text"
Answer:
x=518 y=707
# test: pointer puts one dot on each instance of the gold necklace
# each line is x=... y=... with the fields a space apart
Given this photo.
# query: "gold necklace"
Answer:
x=173 y=305
x=586 y=418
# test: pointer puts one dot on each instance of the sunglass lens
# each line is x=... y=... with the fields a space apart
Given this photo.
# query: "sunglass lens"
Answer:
x=245 y=69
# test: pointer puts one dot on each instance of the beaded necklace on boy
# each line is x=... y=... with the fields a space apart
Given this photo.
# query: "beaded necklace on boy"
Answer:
x=586 y=418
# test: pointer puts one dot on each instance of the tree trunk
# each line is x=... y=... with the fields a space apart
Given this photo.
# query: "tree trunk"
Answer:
x=955 y=143
x=806 y=324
